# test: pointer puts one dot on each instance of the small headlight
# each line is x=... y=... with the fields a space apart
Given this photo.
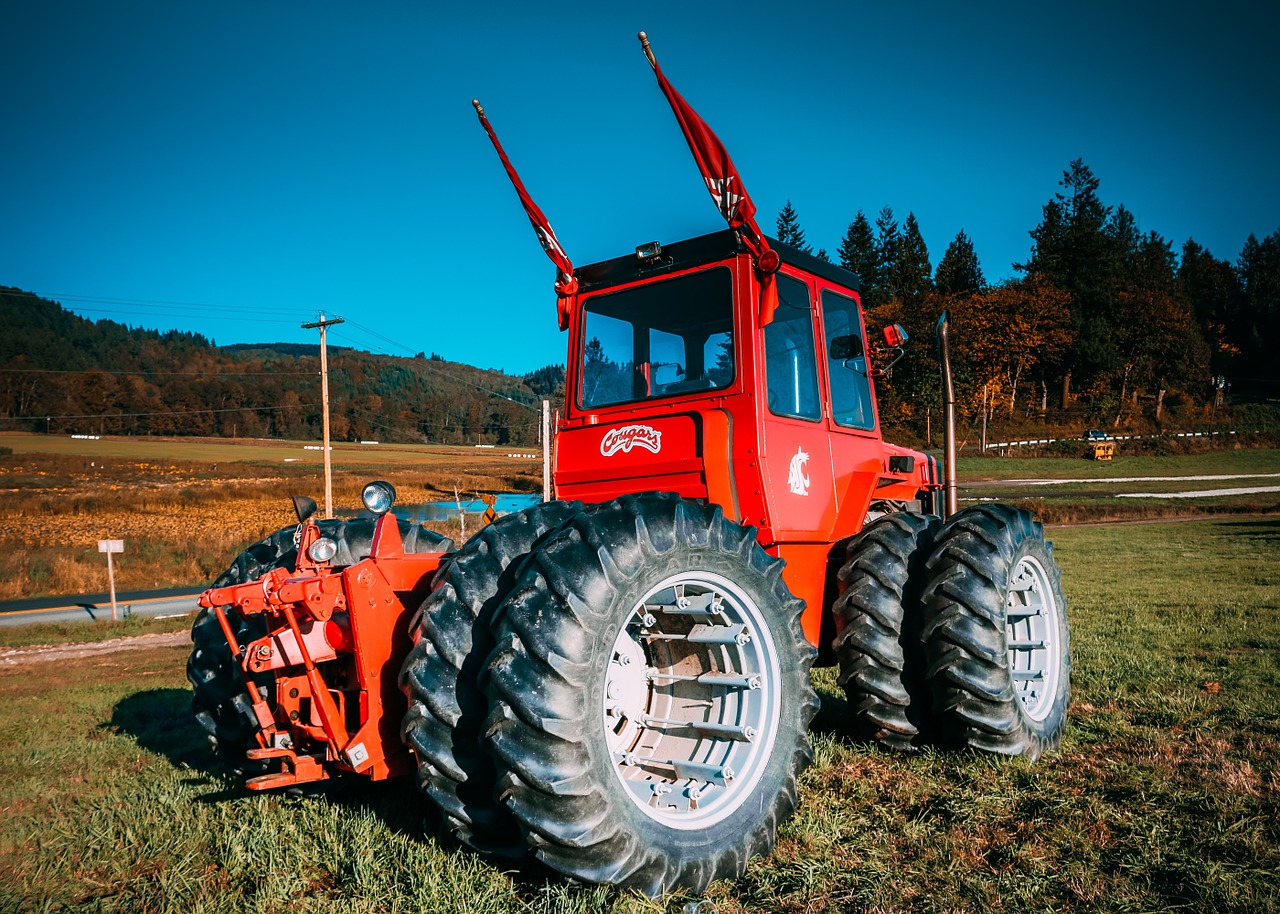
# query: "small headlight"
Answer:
x=378 y=496
x=322 y=549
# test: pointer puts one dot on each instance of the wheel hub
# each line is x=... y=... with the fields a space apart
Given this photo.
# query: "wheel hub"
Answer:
x=1032 y=633
x=691 y=700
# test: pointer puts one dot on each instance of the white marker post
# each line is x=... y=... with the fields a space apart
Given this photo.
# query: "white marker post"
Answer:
x=110 y=546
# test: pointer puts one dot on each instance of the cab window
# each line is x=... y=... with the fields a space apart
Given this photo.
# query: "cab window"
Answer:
x=790 y=364
x=668 y=337
x=847 y=362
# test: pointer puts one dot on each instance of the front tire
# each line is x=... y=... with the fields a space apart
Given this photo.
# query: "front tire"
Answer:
x=996 y=634
x=447 y=709
x=650 y=696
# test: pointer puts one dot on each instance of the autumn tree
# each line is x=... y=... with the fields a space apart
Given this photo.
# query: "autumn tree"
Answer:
x=1004 y=332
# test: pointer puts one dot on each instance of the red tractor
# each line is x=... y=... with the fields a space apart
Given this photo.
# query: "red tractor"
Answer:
x=617 y=681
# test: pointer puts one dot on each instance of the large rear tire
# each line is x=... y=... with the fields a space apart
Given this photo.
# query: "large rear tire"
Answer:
x=220 y=701
x=650 y=696
x=996 y=634
x=879 y=622
x=447 y=709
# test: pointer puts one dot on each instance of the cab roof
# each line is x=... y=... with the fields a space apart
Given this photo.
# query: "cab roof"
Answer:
x=682 y=255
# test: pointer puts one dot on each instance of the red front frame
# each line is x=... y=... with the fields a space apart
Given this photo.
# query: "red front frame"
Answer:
x=337 y=703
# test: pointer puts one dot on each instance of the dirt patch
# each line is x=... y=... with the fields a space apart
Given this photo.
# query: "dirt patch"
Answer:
x=57 y=652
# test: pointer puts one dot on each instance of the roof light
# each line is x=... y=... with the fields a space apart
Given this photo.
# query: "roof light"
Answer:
x=650 y=251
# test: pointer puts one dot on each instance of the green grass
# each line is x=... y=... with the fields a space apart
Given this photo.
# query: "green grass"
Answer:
x=1166 y=794
x=1243 y=460
x=345 y=455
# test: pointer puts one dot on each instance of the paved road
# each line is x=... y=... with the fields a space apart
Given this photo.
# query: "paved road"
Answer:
x=179 y=601
x=97 y=607
x=1106 y=480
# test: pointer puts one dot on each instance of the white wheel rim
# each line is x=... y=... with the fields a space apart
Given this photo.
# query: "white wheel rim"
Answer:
x=691 y=701
x=1032 y=635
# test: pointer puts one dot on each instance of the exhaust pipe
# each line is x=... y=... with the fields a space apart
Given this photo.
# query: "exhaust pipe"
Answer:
x=949 y=499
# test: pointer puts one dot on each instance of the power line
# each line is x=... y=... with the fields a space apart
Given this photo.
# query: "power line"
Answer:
x=181 y=412
x=428 y=366
x=208 y=306
x=256 y=320
x=183 y=374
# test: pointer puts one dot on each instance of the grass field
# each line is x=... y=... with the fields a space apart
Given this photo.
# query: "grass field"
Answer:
x=345 y=455
x=1165 y=796
x=186 y=508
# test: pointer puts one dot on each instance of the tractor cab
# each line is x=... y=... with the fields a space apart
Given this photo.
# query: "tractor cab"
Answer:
x=679 y=381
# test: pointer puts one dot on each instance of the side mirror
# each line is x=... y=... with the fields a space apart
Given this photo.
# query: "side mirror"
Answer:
x=847 y=347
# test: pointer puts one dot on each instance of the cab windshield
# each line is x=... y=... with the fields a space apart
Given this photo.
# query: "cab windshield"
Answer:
x=669 y=337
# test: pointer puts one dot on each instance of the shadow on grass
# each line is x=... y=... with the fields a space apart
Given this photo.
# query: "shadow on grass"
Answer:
x=832 y=719
x=161 y=721
x=1257 y=528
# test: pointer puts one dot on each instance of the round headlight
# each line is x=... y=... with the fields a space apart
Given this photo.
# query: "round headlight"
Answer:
x=379 y=496
x=322 y=549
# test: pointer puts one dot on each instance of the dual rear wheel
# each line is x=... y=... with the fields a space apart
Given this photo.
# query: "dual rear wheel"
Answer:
x=623 y=691
x=955 y=634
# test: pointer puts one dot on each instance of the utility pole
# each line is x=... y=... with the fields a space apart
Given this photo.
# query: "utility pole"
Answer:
x=545 y=429
x=324 y=400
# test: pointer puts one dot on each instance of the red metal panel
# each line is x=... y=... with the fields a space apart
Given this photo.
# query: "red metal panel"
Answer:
x=806 y=574
x=625 y=445
x=799 y=484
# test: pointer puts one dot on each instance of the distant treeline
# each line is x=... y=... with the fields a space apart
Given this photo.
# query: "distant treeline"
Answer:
x=1106 y=324
x=64 y=374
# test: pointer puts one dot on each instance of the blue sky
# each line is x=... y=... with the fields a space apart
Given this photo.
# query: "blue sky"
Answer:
x=233 y=168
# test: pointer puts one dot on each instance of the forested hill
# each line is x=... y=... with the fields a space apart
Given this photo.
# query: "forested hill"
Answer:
x=66 y=374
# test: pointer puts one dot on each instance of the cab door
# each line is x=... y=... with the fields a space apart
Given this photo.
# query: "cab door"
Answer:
x=857 y=453
x=795 y=454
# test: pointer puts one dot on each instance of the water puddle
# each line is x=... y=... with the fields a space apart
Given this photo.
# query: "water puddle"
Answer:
x=507 y=503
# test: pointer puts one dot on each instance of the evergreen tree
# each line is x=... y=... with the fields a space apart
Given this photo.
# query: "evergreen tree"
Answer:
x=823 y=255
x=1075 y=248
x=913 y=275
x=959 y=272
x=857 y=251
x=888 y=240
x=1153 y=329
x=1212 y=287
x=789 y=230
x=1259 y=269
